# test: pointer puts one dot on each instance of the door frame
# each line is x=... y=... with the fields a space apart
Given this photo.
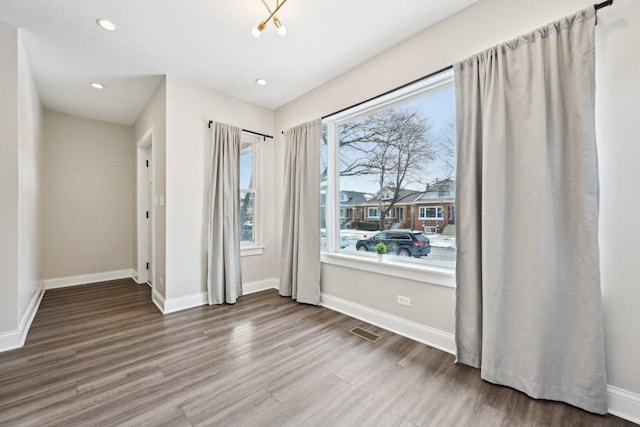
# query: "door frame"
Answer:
x=144 y=203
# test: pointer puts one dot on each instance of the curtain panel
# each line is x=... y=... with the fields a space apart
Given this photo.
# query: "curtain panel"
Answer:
x=528 y=302
x=224 y=277
x=300 y=259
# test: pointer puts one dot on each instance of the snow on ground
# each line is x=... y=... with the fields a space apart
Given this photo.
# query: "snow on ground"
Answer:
x=436 y=240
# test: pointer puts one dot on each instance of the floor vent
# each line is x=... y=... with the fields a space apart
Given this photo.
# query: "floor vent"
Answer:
x=369 y=336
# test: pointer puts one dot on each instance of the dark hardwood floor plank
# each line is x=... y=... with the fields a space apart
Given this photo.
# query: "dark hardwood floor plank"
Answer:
x=102 y=354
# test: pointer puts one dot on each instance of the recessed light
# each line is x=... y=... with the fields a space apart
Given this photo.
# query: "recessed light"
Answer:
x=97 y=85
x=106 y=24
x=261 y=82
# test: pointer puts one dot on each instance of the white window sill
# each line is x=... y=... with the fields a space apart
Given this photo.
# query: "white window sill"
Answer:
x=251 y=250
x=420 y=273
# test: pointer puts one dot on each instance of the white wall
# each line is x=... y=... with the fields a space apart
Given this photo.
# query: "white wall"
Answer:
x=154 y=118
x=189 y=109
x=89 y=183
x=8 y=178
x=474 y=29
x=20 y=147
x=618 y=128
x=30 y=191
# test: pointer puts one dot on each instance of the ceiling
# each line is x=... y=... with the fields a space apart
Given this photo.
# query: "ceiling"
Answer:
x=206 y=42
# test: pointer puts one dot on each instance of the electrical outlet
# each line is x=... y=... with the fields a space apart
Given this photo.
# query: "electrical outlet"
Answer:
x=404 y=300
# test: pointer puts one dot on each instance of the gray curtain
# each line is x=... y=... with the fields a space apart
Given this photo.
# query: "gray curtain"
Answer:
x=224 y=279
x=528 y=303
x=300 y=259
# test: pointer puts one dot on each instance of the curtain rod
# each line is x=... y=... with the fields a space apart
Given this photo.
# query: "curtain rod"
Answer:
x=596 y=6
x=389 y=91
x=607 y=3
x=264 y=137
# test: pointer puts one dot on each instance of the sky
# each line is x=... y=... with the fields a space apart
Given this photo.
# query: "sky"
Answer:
x=439 y=108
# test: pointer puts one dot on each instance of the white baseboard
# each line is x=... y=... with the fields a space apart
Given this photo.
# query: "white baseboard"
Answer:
x=63 y=282
x=172 y=305
x=624 y=404
x=158 y=300
x=182 y=303
x=260 y=285
x=15 y=339
x=433 y=337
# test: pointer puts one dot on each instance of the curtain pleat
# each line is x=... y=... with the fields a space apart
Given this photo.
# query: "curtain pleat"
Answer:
x=300 y=259
x=224 y=277
x=528 y=302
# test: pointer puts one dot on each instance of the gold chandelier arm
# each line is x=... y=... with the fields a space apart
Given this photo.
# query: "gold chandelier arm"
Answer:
x=278 y=6
x=267 y=5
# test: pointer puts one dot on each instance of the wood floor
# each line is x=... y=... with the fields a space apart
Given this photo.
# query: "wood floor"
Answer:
x=102 y=354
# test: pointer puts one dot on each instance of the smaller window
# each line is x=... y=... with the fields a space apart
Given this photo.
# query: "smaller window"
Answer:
x=386 y=195
x=248 y=191
x=431 y=212
x=342 y=213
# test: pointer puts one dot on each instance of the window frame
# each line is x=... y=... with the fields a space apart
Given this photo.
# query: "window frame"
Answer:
x=431 y=218
x=368 y=262
x=256 y=247
x=388 y=215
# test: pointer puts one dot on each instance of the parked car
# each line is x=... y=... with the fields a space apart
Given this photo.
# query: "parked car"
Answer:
x=344 y=240
x=399 y=242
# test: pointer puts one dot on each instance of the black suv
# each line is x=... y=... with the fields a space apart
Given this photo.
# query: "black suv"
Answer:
x=405 y=243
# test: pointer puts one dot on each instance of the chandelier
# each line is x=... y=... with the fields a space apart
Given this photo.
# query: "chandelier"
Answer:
x=282 y=30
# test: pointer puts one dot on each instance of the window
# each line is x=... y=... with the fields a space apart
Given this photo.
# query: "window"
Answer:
x=392 y=149
x=431 y=212
x=249 y=197
x=375 y=213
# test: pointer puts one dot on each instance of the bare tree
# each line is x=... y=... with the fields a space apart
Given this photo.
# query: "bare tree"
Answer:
x=396 y=146
x=447 y=151
x=351 y=135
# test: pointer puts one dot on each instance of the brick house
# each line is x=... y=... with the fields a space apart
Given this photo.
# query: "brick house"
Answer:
x=429 y=211
x=399 y=216
x=434 y=209
x=351 y=208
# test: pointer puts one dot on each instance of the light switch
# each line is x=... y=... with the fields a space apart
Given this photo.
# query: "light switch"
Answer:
x=161 y=200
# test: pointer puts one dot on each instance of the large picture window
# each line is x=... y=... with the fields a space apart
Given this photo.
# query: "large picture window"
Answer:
x=395 y=159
